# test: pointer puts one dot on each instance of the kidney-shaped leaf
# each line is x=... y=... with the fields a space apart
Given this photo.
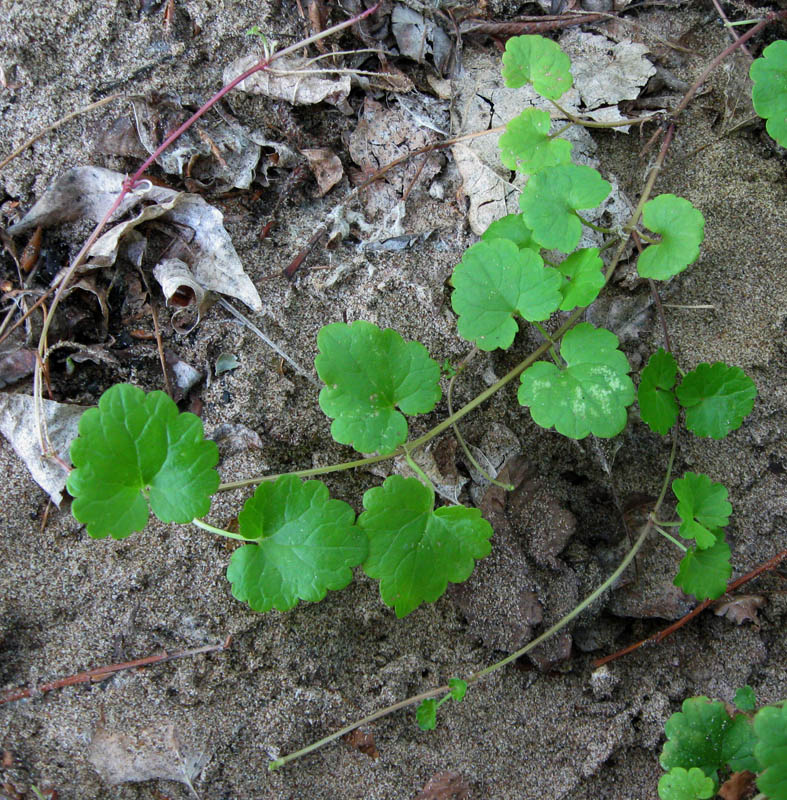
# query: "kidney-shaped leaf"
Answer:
x=496 y=280
x=769 y=94
x=657 y=404
x=536 y=60
x=368 y=372
x=305 y=544
x=550 y=198
x=590 y=395
x=527 y=146
x=682 y=784
x=511 y=227
x=717 y=398
x=704 y=573
x=137 y=452
x=584 y=278
x=414 y=551
x=770 y=726
x=682 y=229
x=702 y=507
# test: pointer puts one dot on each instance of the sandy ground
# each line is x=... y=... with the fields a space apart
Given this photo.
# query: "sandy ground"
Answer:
x=68 y=603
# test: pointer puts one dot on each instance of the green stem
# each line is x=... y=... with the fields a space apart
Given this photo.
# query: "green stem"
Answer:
x=476 y=676
x=418 y=471
x=667 y=524
x=206 y=526
x=607 y=231
x=671 y=538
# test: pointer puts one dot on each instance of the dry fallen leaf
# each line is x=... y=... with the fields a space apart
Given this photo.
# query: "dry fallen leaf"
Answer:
x=418 y=37
x=738 y=785
x=740 y=609
x=327 y=168
x=445 y=786
x=364 y=742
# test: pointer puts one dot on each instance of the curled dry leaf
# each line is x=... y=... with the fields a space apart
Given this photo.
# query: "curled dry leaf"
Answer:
x=418 y=37
x=182 y=291
x=18 y=425
x=740 y=609
x=445 y=786
x=235 y=438
x=289 y=78
x=90 y=191
x=738 y=785
x=364 y=742
x=326 y=166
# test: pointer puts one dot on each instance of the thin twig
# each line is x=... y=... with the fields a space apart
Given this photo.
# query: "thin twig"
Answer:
x=100 y=673
x=729 y=27
x=663 y=634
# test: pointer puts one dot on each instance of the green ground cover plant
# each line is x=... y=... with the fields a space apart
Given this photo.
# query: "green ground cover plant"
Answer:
x=136 y=453
x=707 y=740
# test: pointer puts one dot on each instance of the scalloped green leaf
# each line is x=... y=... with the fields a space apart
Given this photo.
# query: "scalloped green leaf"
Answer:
x=590 y=395
x=512 y=227
x=657 y=403
x=368 y=373
x=304 y=544
x=745 y=699
x=703 y=735
x=136 y=453
x=704 y=573
x=584 y=278
x=682 y=784
x=770 y=727
x=458 y=688
x=769 y=94
x=414 y=550
x=702 y=507
x=526 y=145
x=496 y=280
x=426 y=714
x=536 y=60
x=682 y=229
x=551 y=197
x=717 y=398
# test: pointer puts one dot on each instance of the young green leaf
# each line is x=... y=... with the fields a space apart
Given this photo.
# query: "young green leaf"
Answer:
x=536 y=60
x=137 y=452
x=770 y=727
x=769 y=95
x=496 y=280
x=590 y=395
x=426 y=714
x=702 y=506
x=703 y=735
x=681 y=784
x=704 y=573
x=527 y=146
x=305 y=544
x=682 y=229
x=583 y=271
x=745 y=699
x=512 y=227
x=657 y=404
x=414 y=551
x=717 y=398
x=368 y=372
x=458 y=688
x=551 y=197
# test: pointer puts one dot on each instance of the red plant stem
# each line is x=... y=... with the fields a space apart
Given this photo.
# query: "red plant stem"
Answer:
x=100 y=673
x=772 y=563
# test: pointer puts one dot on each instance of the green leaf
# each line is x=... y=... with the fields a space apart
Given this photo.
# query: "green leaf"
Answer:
x=368 y=372
x=584 y=275
x=703 y=735
x=305 y=544
x=414 y=551
x=590 y=395
x=745 y=699
x=682 y=229
x=717 y=398
x=681 y=784
x=458 y=689
x=496 y=280
x=550 y=198
x=770 y=727
x=137 y=452
x=704 y=573
x=536 y=60
x=512 y=227
x=426 y=714
x=702 y=505
x=769 y=94
x=657 y=404
x=527 y=146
